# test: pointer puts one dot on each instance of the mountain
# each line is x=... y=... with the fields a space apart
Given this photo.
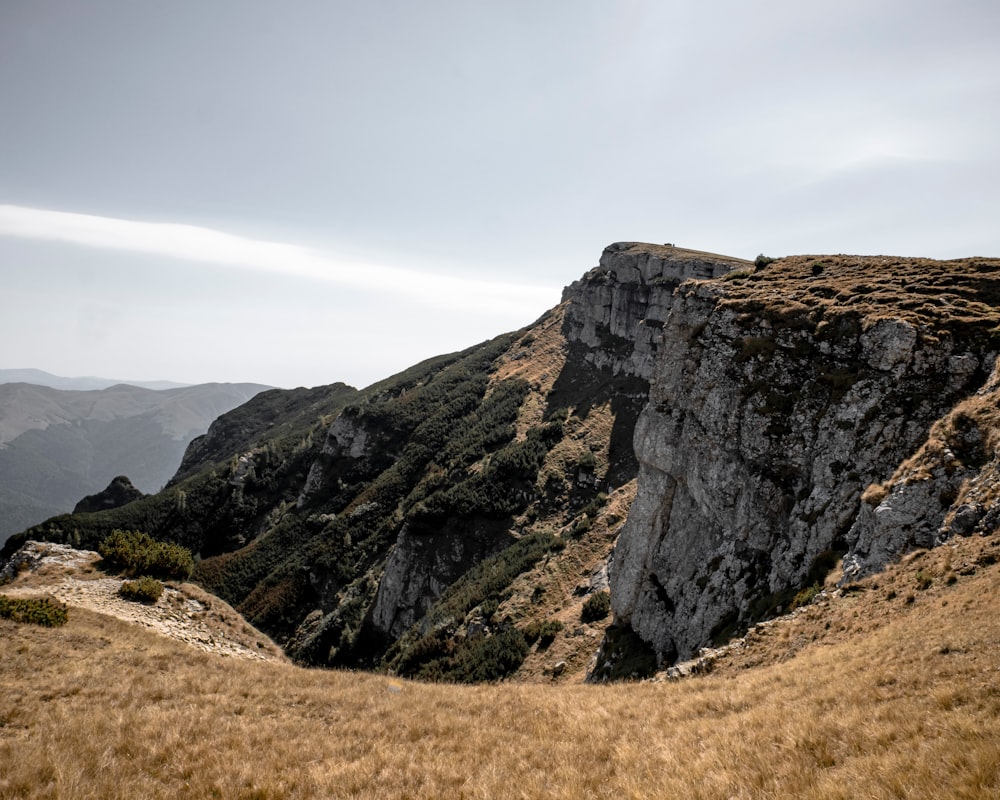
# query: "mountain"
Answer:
x=42 y=378
x=692 y=441
x=57 y=445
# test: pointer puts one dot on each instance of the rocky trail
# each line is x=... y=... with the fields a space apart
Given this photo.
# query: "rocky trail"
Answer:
x=184 y=611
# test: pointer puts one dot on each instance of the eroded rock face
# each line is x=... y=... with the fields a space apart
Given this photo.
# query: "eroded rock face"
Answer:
x=948 y=488
x=345 y=438
x=612 y=326
x=617 y=310
x=758 y=439
x=419 y=568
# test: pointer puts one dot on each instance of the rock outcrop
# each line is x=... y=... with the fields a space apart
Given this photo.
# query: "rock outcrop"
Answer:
x=347 y=439
x=949 y=487
x=772 y=407
x=420 y=568
x=118 y=493
x=616 y=311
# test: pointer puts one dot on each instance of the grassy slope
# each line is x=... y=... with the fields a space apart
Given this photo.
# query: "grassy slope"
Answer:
x=961 y=296
x=886 y=691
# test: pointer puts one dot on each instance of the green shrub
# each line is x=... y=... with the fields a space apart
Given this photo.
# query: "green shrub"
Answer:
x=143 y=590
x=762 y=261
x=805 y=596
x=581 y=526
x=37 y=611
x=597 y=607
x=542 y=631
x=489 y=658
x=137 y=553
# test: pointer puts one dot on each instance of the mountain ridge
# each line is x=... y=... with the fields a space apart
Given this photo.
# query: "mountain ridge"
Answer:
x=57 y=445
x=372 y=532
x=40 y=377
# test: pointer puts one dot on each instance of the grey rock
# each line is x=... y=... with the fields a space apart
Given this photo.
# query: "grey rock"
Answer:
x=419 y=568
x=753 y=451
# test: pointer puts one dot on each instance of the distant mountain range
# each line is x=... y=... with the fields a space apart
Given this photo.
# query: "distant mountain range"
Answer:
x=58 y=445
x=42 y=378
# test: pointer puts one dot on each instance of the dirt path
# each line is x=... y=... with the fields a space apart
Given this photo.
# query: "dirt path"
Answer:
x=184 y=611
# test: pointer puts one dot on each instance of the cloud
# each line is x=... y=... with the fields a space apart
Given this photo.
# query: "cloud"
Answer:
x=194 y=243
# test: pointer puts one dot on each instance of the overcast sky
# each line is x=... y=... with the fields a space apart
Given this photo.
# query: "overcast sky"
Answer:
x=298 y=193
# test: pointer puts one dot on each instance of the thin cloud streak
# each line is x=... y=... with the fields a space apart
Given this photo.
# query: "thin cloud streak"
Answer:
x=194 y=243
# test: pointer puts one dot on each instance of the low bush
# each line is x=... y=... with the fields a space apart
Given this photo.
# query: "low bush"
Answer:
x=542 y=631
x=143 y=590
x=37 y=611
x=486 y=659
x=805 y=597
x=488 y=580
x=597 y=607
x=138 y=553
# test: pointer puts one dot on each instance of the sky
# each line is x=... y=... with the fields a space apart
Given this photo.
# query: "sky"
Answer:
x=300 y=193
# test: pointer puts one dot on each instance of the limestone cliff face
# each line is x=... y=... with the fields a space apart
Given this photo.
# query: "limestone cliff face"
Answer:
x=612 y=325
x=949 y=487
x=764 y=425
x=617 y=310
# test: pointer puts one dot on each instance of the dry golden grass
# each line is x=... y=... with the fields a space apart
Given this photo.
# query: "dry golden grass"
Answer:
x=961 y=295
x=537 y=358
x=898 y=696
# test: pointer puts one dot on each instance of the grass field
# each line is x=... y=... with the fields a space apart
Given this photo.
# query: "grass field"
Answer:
x=889 y=690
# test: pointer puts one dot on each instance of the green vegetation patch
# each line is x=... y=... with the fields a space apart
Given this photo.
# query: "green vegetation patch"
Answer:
x=470 y=660
x=489 y=579
x=542 y=631
x=36 y=611
x=144 y=590
x=597 y=607
x=138 y=553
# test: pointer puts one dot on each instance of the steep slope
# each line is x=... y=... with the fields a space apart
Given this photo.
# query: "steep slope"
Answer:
x=57 y=446
x=219 y=506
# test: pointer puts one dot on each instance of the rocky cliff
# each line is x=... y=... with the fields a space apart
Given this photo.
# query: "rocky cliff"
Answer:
x=778 y=396
x=599 y=348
